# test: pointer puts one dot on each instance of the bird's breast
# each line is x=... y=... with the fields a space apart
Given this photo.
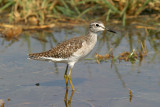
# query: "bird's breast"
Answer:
x=86 y=48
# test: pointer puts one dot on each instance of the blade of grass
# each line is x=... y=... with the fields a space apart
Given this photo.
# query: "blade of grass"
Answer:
x=11 y=17
x=65 y=5
x=7 y=5
x=142 y=7
x=111 y=6
x=125 y=8
x=42 y=17
x=108 y=14
x=55 y=11
x=83 y=2
x=44 y=3
x=87 y=10
x=65 y=11
x=75 y=7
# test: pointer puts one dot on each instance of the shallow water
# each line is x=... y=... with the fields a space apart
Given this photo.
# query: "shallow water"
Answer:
x=97 y=85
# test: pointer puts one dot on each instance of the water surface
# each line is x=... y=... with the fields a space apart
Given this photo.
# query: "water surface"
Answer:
x=97 y=85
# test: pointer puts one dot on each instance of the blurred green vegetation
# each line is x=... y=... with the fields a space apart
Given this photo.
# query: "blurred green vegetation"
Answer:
x=41 y=12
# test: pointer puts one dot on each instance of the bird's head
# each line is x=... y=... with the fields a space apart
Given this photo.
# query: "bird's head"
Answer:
x=99 y=26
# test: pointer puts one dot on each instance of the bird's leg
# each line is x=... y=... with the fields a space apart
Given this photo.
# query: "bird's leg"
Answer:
x=69 y=78
x=65 y=77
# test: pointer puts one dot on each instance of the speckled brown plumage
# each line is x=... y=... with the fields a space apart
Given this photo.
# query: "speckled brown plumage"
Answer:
x=62 y=50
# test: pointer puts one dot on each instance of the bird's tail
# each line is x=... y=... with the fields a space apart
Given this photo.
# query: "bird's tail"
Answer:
x=37 y=56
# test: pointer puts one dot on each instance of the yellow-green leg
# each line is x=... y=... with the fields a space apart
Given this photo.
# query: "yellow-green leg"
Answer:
x=65 y=77
x=69 y=78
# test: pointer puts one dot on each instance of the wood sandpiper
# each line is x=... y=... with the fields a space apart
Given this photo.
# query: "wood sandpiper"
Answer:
x=70 y=51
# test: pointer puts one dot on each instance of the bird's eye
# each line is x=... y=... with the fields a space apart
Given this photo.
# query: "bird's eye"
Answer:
x=97 y=25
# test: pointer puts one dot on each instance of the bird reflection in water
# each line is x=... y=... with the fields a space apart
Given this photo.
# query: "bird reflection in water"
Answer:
x=67 y=101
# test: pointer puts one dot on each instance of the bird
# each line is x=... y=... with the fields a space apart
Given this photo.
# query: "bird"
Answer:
x=72 y=50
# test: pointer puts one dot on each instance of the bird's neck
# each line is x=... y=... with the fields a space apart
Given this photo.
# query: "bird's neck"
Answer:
x=92 y=34
x=92 y=37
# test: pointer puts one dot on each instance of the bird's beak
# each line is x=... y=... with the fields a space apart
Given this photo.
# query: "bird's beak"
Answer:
x=111 y=30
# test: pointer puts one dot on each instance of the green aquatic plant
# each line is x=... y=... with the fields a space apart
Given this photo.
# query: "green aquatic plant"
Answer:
x=45 y=11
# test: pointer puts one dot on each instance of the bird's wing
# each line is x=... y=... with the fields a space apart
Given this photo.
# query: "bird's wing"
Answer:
x=62 y=50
